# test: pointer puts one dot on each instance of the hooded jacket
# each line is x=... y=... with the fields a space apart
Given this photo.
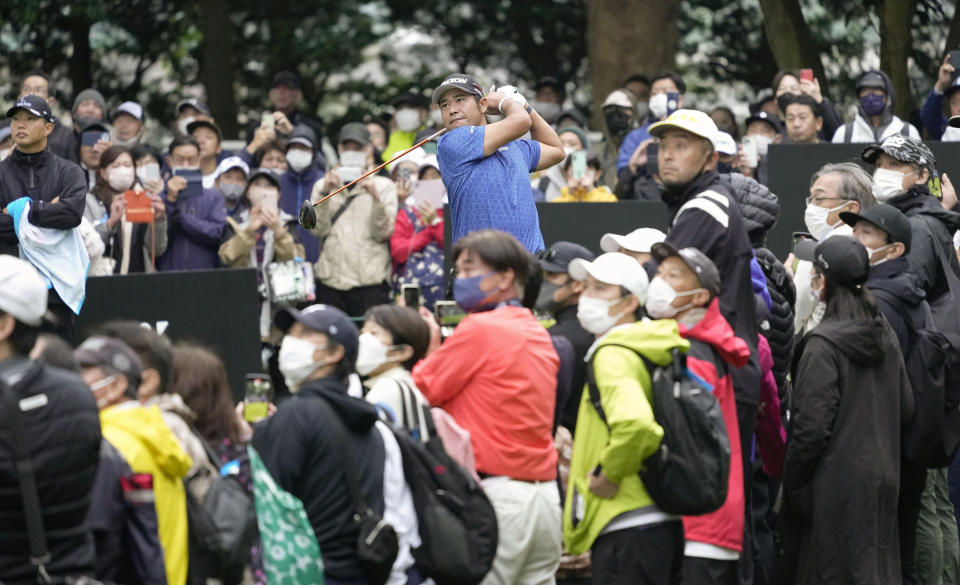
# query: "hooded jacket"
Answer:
x=42 y=177
x=842 y=470
x=148 y=445
x=704 y=215
x=897 y=291
x=714 y=352
x=306 y=457
x=861 y=130
x=194 y=230
x=633 y=435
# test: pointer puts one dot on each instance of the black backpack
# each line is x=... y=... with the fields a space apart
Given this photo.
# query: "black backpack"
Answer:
x=932 y=436
x=457 y=523
x=688 y=473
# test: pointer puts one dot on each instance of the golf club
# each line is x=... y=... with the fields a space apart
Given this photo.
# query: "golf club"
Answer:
x=308 y=217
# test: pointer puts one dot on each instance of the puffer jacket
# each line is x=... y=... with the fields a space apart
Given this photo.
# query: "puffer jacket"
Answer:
x=759 y=208
x=626 y=394
x=356 y=251
x=779 y=331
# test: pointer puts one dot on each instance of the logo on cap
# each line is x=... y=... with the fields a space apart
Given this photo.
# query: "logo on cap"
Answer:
x=455 y=80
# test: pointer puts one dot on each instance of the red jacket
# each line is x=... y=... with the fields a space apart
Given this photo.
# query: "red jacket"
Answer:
x=711 y=340
x=405 y=241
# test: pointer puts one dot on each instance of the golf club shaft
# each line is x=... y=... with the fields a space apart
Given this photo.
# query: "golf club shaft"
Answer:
x=401 y=155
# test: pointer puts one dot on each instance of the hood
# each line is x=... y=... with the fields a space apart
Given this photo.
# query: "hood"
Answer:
x=654 y=339
x=891 y=98
x=713 y=329
x=357 y=414
x=758 y=206
x=858 y=340
x=146 y=424
x=895 y=277
x=919 y=200
x=173 y=403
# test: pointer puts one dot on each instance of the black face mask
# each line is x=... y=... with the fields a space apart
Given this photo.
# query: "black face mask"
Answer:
x=617 y=121
x=724 y=168
x=545 y=300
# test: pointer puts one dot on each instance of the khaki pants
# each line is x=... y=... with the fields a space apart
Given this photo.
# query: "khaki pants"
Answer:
x=938 y=552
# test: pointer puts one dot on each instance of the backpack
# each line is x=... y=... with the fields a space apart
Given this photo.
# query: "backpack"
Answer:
x=689 y=472
x=932 y=436
x=221 y=529
x=457 y=523
x=423 y=268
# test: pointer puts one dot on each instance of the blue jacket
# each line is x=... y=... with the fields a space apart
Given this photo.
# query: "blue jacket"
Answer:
x=194 y=230
x=932 y=115
x=631 y=141
x=295 y=188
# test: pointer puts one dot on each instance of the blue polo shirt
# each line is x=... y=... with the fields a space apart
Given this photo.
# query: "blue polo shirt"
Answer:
x=490 y=192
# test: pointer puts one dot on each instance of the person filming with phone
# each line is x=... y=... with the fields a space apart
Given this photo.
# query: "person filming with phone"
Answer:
x=943 y=101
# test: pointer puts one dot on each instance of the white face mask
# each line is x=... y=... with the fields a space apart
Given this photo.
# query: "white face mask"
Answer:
x=436 y=117
x=660 y=297
x=549 y=111
x=407 y=119
x=594 y=314
x=146 y=171
x=815 y=217
x=888 y=184
x=120 y=178
x=872 y=251
x=130 y=142
x=296 y=361
x=183 y=123
x=658 y=106
x=372 y=354
x=352 y=163
x=5 y=153
x=299 y=159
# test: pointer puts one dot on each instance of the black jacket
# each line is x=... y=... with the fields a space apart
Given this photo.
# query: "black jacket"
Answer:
x=41 y=176
x=64 y=143
x=898 y=293
x=706 y=216
x=568 y=326
x=64 y=439
x=842 y=470
x=759 y=208
x=306 y=458
x=780 y=333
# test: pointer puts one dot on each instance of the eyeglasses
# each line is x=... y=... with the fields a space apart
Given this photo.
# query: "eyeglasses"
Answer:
x=820 y=199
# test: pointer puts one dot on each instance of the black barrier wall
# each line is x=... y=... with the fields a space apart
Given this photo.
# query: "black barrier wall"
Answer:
x=218 y=308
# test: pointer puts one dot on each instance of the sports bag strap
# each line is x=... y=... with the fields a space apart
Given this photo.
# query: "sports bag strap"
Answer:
x=39 y=555
x=342 y=209
x=594 y=390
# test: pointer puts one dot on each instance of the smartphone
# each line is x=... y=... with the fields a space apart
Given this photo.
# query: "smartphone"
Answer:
x=267 y=121
x=139 y=209
x=194 y=186
x=673 y=102
x=256 y=398
x=578 y=163
x=269 y=200
x=955 y=61
x=411 y=295
x=448 y=313
x=151 y=172
x=92 y=138
x=653 y=166
x=806 y=74
x=751 y=152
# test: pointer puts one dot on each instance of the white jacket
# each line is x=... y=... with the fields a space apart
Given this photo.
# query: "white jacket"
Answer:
x=864 y=132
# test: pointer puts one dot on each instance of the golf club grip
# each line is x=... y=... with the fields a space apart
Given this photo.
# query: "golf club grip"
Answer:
x=401 y=155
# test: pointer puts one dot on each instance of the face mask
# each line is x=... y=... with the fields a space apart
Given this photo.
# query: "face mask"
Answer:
x=815 y=217
x=148 y=170
x=185 y=168
x=763 y=143
x=120 y=178
x=617 y=121
x=469 y=295
x=872 y=104
x=660 y=297
x=594 y=314
x=352 y=163
x=232 y=192
x=407 y=119
x=545 y=300
x=549 y=111
x=872 y=251
x=183 y=123
x=888 y=184
x=724 y=168
x=5 y=153
x=372 y=354
x=296 y=361
x=129 y=143
x=299 y=159
x=436 y=117
x=658 y=106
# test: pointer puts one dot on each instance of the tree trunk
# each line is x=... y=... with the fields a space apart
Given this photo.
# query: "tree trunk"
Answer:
x=790 y=39
x=953 y=37
x=626 y=37
x=895 y=41
x=80 y=69
x=216 y=64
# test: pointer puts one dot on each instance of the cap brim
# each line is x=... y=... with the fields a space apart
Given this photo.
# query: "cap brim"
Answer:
x=285 y=318
x=805 y=250
x=552 y=266
x=870 y=153
x=578 y=269
x=662 y=250
x=300 y=140
x=203 y=124
x=954 y=122
x=851 y=219
x=657 y=130
x=14 y=109
x=611 y=242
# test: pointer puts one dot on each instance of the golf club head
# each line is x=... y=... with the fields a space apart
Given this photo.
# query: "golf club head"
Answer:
x=308 y=217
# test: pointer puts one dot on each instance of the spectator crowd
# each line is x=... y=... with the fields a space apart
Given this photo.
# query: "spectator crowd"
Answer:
x=684 y=407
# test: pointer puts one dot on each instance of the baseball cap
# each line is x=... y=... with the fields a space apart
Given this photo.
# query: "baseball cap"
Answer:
x=693 y=121
x=761 y=116
x=724 y=144
x=92 y=125
x=557 y=258
x=872 y=79
x=231 y=162
x=325 y=319
x=130 y=108
x=549 y=81
x=287 y=78
x=639 y=240
x=575 y=114
x=35 y=105
x=842 y=260
x=268 y=173
x=193 y=103
x=205 y=123
x=699 y=263
x=23 y=292
x=428 y=162
x=355 y=131
x=110 y=353
x=904 y=149
x=457 y=81
x=303 y=134
x=613 y=268
x=409 y=99
x=886 y=217
x=619 y=98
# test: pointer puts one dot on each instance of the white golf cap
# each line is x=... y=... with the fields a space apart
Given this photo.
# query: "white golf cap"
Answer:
x=618 y=97
x=693 y=121
x=23 y=292
x=724 y=143
x=415 y=156
x=639 y=240
x=429 y=161
x=613 y=268
x=231 y=162
x=130 y=108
